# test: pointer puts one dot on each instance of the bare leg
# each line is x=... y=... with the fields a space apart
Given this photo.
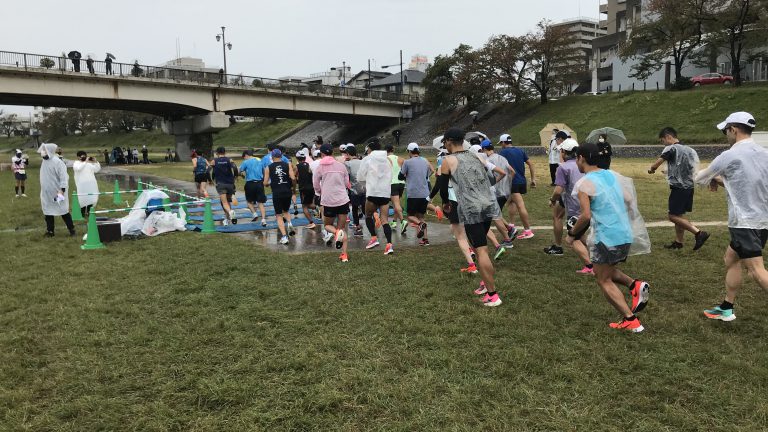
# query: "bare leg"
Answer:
x=281 y=224
x=461 y=239
x=517 y=199
x=756 y=269
x=557 y=223
x=681 y=225
x=341 y=224
x=492 y=238
x=604 y=274
x=732 y=274
x=502 y=228
x=485 y=265
x=224 y=198
x=580 y=248
x=398 y=216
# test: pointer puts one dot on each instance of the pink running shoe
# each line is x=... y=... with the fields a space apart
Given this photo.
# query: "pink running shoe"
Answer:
x=586 y=271
x=373 y=243
x=388 y=249
x=481 y=290
x=491 y=301
x=525 y=235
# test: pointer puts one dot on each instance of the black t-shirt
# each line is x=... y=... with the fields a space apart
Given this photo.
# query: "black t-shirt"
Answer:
x=305 y=176
x=223 y=170
x=280 y=179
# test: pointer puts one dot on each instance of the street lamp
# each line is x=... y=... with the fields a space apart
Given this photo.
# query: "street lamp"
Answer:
x=343 y=73
x=401 y=70
x=224 y=46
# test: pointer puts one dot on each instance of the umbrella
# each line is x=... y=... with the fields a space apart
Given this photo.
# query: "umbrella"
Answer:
x=438 y=143
x=111 y=56
x=546 y=133
x=476 y=134
x=74 y=55
x=615 y=136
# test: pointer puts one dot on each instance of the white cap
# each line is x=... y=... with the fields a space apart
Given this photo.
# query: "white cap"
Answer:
x=475 y=148
x=505 y=138
x=569 y=144
x=342 y=147
x=412 y=146
x=301 y=153
x=316 y=154
x=740 y=117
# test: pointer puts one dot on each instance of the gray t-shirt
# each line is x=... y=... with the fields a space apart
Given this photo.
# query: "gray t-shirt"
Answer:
x=416 y=172
x=566 y=177
x=682 y=164
x=357 y=185
x=477 y=204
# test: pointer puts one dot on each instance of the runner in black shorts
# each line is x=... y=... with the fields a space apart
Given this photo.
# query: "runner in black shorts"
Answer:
x=376 y=171
x=306 y=190
x=280 y=177
x=254 y=186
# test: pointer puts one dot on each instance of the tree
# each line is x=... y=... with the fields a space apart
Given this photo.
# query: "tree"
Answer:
x=438 y=84
x=503 y=58
x=674 y=30
x=8 y=124
x=553 y=58
x=47 y=63
x=471 y=81
x=736 y=25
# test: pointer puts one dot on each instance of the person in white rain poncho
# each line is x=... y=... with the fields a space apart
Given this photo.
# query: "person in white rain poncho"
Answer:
x=376 y=171
x=743 y=171
x=53 y=189
x=608 y=204
x=682 y=163
x=85 y=179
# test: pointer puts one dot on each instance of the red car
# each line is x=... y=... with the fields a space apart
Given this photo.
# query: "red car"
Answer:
x=711 y=78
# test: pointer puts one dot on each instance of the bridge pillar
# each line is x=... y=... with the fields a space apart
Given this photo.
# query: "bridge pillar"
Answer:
x=195 y=132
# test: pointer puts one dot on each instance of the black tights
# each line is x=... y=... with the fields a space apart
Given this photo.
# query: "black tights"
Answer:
x=369 y=222
x=49 y=222
x=356 y=210
x=85 y=211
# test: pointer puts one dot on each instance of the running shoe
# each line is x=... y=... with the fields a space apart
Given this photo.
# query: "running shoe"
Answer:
x=701 y=238
x=328 y=238
x=673 y=245
x=482 y=290
x=471 y=269
x=18 y=196
x=403 y=226
x=284 y=240
x=291 y=230
x=377 y=219
x=389 y=250
x=720 y=314
x=344 y=257
x=525 y=235
x=639 y=291
x=233 y=217
x=511 y=231
x=499 y=252
x=263 y=222
x=49 y=234
x=311 y=225
x=491 y=301
x=508 y=244
x=554 y=250
x=472 y=254
x=224 y=222
x=373 y=243
x=439 y=213
x=255 y=218
x=393 y=224
x=633 y=326
x=358 y=231
x=295 y=210
x=586 y=271
x=23 y=195
x=420 y=230
x=424 y=242
x=339 y=239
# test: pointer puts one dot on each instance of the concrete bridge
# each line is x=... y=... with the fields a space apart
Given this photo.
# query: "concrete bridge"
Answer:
x=193 y=104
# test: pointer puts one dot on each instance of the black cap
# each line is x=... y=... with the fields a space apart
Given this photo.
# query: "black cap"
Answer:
x=474 y=140
x=588 y=150
x=247 y=153
x=220 y=150
x=561 y=135
x=454 y=134
x=326 y=149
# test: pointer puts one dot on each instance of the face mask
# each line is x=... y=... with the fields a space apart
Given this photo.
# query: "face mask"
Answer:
x=45 y=157
x=83 y=158
x=601 y=140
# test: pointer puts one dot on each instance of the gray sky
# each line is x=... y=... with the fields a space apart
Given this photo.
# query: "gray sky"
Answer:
x=273 y=38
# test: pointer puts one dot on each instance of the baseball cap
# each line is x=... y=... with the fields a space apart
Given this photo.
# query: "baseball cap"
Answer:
x=220 y=150
x=342 y=147
x=562 y=135
x=474 y=148
x=247 y=153
x=454 y=134
x=326 y=149
x=413 y=147
x=505 y=138
x=276 y=153
x=568 y=145
x=740 y=117
x=486 y=143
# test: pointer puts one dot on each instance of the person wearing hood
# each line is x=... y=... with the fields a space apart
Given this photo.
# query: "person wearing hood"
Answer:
x=376 y=169
x=19 y=164
x=85 y=168
x=331 y=182
x=53 y=189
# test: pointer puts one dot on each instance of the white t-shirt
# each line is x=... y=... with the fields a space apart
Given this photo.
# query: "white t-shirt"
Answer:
x=554 y=152
x=744 y=169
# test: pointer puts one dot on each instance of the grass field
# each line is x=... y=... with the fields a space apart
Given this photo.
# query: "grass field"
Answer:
x=202 y=333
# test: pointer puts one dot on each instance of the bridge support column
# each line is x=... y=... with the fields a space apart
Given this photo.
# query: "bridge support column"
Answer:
x=195 y=132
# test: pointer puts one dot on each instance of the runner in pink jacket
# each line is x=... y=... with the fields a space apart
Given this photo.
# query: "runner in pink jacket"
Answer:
x=331 y=182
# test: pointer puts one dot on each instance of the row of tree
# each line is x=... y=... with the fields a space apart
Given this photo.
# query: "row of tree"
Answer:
x=62 y=122
x=696 y=31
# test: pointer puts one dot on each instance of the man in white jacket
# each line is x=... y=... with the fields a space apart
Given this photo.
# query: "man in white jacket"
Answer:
x=53 y=189
x=85 y=168
x=376 y=169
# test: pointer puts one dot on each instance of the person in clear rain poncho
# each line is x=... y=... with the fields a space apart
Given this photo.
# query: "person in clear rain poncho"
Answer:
x=743 y=172
x=54 y=181
x=85 y=168
x=608 y=205
x=682 y=163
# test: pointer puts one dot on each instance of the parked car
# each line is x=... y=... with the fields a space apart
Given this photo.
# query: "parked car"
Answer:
x=711 y=78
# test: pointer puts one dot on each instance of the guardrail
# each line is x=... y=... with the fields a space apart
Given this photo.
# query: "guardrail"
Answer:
x=62 y=64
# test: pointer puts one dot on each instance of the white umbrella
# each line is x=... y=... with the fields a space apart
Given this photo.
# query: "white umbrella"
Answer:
x=438 y=143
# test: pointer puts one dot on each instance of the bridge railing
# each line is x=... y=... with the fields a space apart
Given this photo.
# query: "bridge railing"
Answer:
x=62 y=64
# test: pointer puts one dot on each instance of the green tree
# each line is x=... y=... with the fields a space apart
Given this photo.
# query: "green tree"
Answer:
x=47 y=63
x=553 y=58
x=504 y=60
x=8 y=124
x=438 y=84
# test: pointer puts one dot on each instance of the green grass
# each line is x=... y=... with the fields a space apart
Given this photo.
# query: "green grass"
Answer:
x=641 y=114
x=203 y=333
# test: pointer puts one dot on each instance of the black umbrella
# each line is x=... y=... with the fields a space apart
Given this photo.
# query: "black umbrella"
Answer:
x=111 y=56
x=74 y=55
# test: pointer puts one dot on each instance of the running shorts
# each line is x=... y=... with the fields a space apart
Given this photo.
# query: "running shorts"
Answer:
x=477 y=234
x=254 y=192
x=748 y=243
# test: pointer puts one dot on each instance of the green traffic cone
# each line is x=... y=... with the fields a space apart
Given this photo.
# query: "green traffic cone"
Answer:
x=139 y=188
x=92 y=241
x=116 y=198
x=77 y=215
x=208 y=225
x=167 y=204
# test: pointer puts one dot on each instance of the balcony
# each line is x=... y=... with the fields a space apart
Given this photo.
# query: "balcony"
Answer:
x=604 y=8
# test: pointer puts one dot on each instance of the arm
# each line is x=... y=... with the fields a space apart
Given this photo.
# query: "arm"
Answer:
x=234 y=168
x=317 y=181
x=533 y=173
x=555 y=195
x=584 y=218
x=656 y=165
x=266 y=176
x=712 y=175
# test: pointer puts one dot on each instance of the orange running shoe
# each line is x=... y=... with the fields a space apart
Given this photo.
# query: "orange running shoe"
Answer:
x=471 y=269
x=639 y=291
x=344 y=257
x=633 y=326
x=439 y=213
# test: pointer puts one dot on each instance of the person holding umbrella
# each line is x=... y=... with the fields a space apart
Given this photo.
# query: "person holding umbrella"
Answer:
x=75 y=57
x=89 y=65
x=108 y=63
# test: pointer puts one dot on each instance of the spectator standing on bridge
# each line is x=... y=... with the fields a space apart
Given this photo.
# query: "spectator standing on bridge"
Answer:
x=85 y=169
x=224 y=172
x=89 y=64
x=54 y=181
x=108 y=65
x=19 y=166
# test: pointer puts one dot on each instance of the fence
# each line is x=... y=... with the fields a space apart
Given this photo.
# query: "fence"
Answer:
x=62 y=64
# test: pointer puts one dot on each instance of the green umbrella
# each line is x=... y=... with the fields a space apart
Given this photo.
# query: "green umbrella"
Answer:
x=614 y=136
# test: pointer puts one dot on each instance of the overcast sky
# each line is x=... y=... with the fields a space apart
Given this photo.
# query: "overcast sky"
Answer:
x=272 y=38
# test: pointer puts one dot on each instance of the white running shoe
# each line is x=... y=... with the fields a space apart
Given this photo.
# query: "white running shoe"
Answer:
x=233 y=217
x=284 y=240
x=339 y=239
x=328 y=238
